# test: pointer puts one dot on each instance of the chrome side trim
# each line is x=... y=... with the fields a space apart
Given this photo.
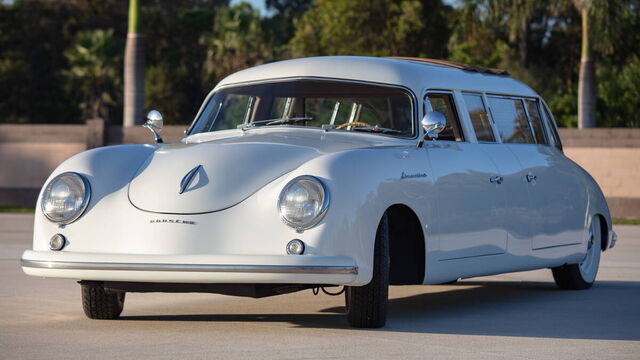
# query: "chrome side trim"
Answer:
x=557 y=246
x=223 y=268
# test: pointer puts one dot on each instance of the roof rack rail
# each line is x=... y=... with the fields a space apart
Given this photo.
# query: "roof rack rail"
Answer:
x=455 y=65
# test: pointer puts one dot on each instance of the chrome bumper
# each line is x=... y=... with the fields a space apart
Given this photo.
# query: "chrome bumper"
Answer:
x=221 y=268
x=613 y=237
x=291 y=269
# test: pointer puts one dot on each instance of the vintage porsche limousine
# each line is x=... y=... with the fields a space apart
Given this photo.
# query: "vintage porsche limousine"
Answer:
x=330 y=171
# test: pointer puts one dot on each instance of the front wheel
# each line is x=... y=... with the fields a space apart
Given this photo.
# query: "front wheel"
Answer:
x=582 y=276
x=367 y=305
x=98 y=303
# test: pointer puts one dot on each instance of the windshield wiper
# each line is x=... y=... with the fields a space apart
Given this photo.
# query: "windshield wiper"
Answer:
x=377 y=129
x=291 y=120
x=279 y=121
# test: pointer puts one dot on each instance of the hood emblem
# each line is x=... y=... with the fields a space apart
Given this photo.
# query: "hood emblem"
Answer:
x=187 y=179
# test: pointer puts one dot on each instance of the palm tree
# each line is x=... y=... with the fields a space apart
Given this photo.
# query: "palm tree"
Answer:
x=587 y=84
x=603 y=17
x=133 y=68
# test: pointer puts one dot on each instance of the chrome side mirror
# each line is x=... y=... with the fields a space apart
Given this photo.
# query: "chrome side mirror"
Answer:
x=154 y=124
x=433 y=123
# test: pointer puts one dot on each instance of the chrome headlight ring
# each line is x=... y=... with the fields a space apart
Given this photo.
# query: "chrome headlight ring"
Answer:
x=77 y=185
x=317 y=197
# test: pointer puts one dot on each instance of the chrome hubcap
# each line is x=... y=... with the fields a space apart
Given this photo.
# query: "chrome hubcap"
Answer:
x=589 y=265
x=591 y=240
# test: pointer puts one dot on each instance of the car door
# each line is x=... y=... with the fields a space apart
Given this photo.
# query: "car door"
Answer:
x=470 y=206
x=513 y=186
x=557 y=200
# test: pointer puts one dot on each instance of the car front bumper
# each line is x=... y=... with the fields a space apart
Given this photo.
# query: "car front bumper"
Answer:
x=292 y=269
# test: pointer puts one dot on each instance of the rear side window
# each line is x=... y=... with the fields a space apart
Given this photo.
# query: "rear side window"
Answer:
x=479 y=117
x=444 y=104
x=536 y=121
x=552 y=129
x=511 y=120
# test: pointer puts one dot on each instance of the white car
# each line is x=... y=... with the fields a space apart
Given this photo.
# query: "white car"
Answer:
x=322 y=172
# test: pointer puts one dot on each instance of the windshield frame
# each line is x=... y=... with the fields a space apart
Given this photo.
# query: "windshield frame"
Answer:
x=406 y=90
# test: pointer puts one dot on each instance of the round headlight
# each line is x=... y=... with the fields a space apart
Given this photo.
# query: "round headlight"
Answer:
x=303 y=202
x=65 y=197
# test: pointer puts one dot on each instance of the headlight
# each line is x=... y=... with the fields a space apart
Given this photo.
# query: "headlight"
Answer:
x=65 y=198
x=303 y=202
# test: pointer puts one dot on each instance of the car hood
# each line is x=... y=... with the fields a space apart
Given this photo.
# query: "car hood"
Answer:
x=227 y=170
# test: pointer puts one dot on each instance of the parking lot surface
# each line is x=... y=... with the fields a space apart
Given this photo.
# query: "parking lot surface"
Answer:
x=513 y=316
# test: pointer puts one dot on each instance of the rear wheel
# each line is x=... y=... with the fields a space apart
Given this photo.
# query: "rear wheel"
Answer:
x=367 y=305
x=98 y=303
x=582 y=276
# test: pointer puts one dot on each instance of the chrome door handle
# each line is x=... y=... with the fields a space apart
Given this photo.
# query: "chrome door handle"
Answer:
x=496 y=179
x=531 y=177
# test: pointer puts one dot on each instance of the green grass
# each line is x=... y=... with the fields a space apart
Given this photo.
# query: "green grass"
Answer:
x=624 y=221
x=15 y=209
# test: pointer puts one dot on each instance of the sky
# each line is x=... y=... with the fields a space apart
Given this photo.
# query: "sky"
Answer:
x=259 y=4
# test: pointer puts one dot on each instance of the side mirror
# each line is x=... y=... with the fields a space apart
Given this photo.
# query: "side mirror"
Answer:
x=154 y=124
x=433 y=123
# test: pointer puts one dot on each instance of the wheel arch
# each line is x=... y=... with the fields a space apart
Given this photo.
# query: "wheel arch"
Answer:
x=406 y=246
x=604 y=232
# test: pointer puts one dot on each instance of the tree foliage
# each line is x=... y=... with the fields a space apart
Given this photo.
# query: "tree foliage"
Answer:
x=358 y=27
x=60 y=61
x=236 y=42
x=94 y=71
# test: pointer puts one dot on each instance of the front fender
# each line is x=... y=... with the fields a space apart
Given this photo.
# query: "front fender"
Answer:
x=108 y=169
x=363 y=184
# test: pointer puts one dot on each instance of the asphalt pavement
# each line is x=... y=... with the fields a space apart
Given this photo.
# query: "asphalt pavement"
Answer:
x=512 y=316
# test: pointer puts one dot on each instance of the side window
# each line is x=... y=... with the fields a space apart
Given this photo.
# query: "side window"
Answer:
x=444 y=104
x=536 y=121
x=511 y=120
x=552 y=128
x=479 y=117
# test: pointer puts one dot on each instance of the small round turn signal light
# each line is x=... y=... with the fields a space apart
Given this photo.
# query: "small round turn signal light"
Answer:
x=295 y=247
x=57 y=242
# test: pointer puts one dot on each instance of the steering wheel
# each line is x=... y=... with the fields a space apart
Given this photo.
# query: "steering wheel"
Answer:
x=359 y=123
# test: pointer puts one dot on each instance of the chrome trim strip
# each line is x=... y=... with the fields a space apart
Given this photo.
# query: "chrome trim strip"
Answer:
x=222 y=268
x=472 y=256
x=557 y=246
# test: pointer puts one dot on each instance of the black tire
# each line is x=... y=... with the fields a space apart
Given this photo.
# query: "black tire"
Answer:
x=582 y=276
x=98 y=303
x=568 y=277
x=367 y=305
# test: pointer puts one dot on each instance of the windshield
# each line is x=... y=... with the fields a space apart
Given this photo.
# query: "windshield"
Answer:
x=328 y=104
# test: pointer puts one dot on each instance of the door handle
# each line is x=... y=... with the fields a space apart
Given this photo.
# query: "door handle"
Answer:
x=531 y=177
x=496 y=179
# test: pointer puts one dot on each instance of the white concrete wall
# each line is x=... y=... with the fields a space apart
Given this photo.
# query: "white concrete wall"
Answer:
x=28 y=154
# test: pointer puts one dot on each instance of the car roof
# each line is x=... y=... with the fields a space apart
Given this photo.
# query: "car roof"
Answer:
x=414 y=73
